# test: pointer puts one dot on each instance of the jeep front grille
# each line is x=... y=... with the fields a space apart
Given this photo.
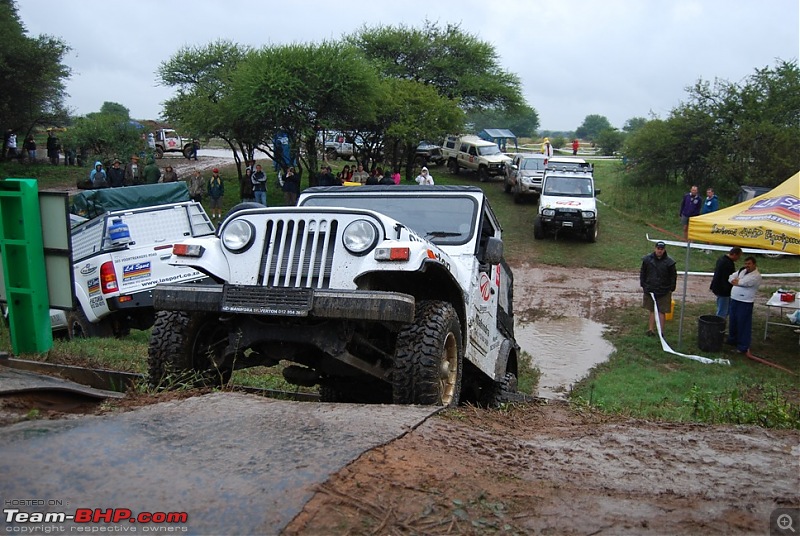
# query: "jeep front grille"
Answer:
x=298 y=252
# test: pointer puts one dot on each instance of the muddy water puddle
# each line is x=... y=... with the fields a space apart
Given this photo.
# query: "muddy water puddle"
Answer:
x=564 y=349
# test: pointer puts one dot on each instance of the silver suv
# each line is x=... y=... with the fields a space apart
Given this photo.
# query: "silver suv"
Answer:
x=524 y=176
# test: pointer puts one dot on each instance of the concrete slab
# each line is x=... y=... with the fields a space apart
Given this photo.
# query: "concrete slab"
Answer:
x=15 y=381
x=235 y=463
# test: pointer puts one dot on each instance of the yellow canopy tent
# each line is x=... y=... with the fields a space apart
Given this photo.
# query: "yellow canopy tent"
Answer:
x=769 y=221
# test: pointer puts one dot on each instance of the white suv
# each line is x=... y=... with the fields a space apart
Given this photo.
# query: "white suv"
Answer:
x=567 y=203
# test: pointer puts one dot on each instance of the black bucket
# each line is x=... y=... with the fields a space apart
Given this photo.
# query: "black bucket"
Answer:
x=710 y=333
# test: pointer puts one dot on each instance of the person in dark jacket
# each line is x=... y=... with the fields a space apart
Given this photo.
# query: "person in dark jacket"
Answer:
x=659 y=276
x=291 y=187
x=116 y=175
x=690 y=207
x=151 y=173
x=711 y=203
x=719 y=283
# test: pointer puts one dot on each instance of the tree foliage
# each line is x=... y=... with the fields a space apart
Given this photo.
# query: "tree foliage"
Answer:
x=459 y=65
x=726 y=134
x=106 y=134
x=592 y=126
x=32 y=75
x=610 y=141
x=522 y=120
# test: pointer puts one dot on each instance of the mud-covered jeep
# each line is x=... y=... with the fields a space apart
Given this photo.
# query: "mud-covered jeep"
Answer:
x=375 y=293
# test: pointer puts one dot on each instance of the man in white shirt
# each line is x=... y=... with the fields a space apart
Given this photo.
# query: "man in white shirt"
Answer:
x=745 y=285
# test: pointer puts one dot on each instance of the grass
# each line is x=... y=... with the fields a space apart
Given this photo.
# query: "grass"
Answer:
x=639 y=380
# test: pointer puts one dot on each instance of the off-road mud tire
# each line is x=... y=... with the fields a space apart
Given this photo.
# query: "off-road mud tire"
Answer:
x=538 y=229
x=503 y=391
x=159 y=152
x=452 y=165
x=591 y=234
x=507 y=187
x=483 y=174
x=79 y=326
x=429 y=357
x=187 y=152
x=186 y=351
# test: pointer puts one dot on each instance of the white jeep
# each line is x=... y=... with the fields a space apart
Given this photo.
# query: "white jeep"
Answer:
x=567 y=204
x=375 y=293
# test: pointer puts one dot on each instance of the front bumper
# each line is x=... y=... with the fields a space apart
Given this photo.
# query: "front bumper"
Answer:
x=369 y=305
x=573 y=221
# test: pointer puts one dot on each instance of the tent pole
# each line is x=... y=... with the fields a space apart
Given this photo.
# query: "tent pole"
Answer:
x=683 y=302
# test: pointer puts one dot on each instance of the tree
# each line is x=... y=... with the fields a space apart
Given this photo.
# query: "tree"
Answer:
x=610 y=141
x=592 y=126
x=457 y=64
x=104 y=135
x=202 y=77
x=114 y=108
x=32 y=75
x=726 y=134
x=633 y=124
x=522 y=120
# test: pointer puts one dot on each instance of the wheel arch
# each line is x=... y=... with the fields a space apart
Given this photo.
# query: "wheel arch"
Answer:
x=432 y=282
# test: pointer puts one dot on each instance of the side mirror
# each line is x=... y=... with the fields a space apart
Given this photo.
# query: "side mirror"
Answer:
x=597 y=192
x=494 y=251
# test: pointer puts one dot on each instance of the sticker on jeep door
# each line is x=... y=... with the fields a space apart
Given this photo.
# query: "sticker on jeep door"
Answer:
x=134 y=272
x=93 y=285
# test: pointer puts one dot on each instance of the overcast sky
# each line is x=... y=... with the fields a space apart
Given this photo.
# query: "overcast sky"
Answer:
x=616 y=58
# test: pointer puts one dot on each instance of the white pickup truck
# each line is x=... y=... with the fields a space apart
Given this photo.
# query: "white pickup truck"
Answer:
x=475 y=154
x=120 y=254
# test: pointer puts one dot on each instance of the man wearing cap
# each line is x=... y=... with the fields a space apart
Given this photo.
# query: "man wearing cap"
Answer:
x=116 y=175
x=133 y=173
x=659 y=276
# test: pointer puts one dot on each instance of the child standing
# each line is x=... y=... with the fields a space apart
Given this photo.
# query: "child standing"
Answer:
x=216 y=189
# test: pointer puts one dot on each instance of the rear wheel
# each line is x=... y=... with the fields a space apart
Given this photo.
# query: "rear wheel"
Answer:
x=452 y=165
x=188 y=350
x=503 y=391
x=79 y=326
x=429 y=357
x=159 y=152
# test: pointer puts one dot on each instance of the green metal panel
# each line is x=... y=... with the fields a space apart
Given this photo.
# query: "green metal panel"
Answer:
x=24 y=276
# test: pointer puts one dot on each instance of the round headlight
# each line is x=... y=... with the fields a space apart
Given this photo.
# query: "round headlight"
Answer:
x=238 y=235
x=360 y=237
x=588 y=214
x=548 y=212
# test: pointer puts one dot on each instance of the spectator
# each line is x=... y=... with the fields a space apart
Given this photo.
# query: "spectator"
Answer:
x=690 y=207
x=133 y=173
x=575 y=146
x=246 y=187
x=169 y=175
x=396 y=176
x=197 y=186
x=360 y=176
x=711 y=203
x=387 y=179
x=116 y=175
x=260 y=185
x=657 y=276
x=98 y=176
x=11 y=145
x=345 y=175
x=216 y=189
x=30 y=148
x=53 y=147
x=720 y=285
x=326 y=178
x=291 y=187
x=151 y=173
x=547 y=150
x=193 y=152
x=745 y=284
x=424 y=178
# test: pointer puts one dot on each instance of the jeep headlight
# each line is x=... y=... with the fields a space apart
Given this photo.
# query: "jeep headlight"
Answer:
x=587 y=214
x=238 y=236
x=548 y=212
x=526 y=179
x=360 y=237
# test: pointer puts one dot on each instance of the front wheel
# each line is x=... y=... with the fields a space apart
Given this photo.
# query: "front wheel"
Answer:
x=483 y=174
x=452 y=165
x=429 y=357
x=188 y=349
x=503 y=391
x=591 y=233
x=538 y=228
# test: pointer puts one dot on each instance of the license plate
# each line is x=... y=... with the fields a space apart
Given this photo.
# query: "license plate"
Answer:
x=567 y=224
